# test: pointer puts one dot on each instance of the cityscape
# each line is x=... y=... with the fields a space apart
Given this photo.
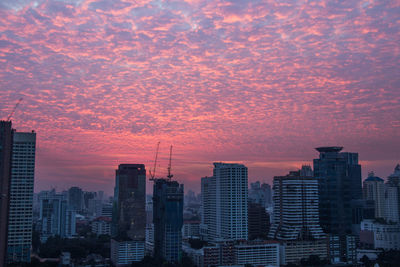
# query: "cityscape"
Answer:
x=199 y=133
x=320 y=215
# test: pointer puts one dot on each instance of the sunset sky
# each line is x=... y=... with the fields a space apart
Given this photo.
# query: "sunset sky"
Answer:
x=259 y=82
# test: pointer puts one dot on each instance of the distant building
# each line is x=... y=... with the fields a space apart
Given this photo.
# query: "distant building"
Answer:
x=21 y=197
x=101 y=226
x=191 y=229
x=258 y=221
x=168 y=219
x=376 y=234
x=374 y=189
x=391 y=203
x=5 y=176
x=55 y=217
x=129 y=217
x=261 y=194
x=339 y=176
x=224 y=203
x=75 y=199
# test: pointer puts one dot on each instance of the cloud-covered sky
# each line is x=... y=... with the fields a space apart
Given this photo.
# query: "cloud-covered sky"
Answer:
x=260 y=82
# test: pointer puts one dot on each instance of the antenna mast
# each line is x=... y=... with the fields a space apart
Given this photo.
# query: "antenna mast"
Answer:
x=153 y=174
x=169 y=165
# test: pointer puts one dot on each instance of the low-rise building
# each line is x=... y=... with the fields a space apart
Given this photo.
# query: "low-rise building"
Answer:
x=123 y=253
x=191 y=229
x=294 y=250
x=376 y=234
x=101 y=226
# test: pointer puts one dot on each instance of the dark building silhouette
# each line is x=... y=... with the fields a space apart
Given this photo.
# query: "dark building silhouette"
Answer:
x=5 y=174
x=339 y=176
x=130 y=200
x=258 y=221
x=75 y=198
x=168 y=219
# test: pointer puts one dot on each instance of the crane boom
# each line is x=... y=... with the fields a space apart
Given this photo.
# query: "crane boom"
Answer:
x=15 y=108
x=169 y=165
x=153 y=174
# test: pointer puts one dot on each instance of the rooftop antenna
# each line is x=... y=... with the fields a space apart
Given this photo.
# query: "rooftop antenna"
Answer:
x=15 y=107
x=153 y=174
x=169 y=165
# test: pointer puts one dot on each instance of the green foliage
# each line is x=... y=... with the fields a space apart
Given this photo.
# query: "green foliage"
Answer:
x=197 y=243
x=149 y=261
x=389 y=258
x=313 y=260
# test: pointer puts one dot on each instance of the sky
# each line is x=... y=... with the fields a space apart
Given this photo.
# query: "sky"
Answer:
x=258 y=82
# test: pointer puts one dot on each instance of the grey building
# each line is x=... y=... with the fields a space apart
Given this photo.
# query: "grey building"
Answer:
x=21 y=197
x=168 y=219
x=75 y=198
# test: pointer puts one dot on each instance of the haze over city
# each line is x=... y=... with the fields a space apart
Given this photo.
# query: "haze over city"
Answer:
x=257 y=82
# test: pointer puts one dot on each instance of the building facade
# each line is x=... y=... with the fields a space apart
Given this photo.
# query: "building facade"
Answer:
x=225 y=203
x=21 y=197
x=374 y=189
x=168 y=219
x=5 y=175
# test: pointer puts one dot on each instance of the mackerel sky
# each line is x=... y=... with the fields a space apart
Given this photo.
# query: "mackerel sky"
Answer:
x=259 y=82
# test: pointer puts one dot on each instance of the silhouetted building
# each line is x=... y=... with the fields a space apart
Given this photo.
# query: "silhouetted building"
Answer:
x=129 y=216
x=5 y=174
x=258 y=221
x=75 y=199
x=339 y=176
x=168 y=219
x=21 y=197
x=224 y=203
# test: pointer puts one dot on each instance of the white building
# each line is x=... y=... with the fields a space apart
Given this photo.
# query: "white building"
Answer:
x=257 y=254
x=101 y=226
x=224 y=203
x=21 y=197
x=296 y=213
x=123 y=253
x=374 y=189
x=377 y=235
x=391 y=203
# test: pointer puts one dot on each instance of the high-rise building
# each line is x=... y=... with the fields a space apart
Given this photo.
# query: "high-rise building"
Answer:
x=261 y=194
x=224 y=203
x=21 y=197
x=168 y=219
x=129 y=216
x=374 y=189
x=391 y=203
x=259 y=222
x=55 y=217
x=339 y=176
x=296 y=215
x=75 y=198
x=5 y=174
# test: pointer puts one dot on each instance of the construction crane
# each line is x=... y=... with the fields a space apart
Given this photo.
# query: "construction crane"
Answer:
x=153 y=174
x=169 y=165
x=15 y=107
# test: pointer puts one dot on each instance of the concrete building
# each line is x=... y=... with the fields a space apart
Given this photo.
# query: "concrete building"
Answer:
x=377 y=234
x=260 y=194
x=191 y=229
x=225 y=203
x=265 y=253
x=258 y=221
x=391 y=203
x=168 y=219
x=21 y=197
x=374 y=189
x=296 y=215
x=101 y=226
x=75 y=199
x=294 y=251
x=5 y=176
x=123 y=253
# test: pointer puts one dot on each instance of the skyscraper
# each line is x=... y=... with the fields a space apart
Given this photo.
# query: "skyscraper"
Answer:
x=168 y=219
x=75 y=198
x=21 y=197
x=5 y=174
x=129 y=216
x=339 y=176
x=224 y=200
x=296 y=215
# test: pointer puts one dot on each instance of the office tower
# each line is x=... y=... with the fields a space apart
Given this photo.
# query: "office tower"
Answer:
x=21 y=197
x=296 y=207
x=394 y=181
x=224 y=203
x=258 y=221
x=260 y=193
x=168 y=219
x=55 y=217
x=391 y=203
x=339 y=176
x=5 y=174
x=374 y=189
x=129 y=216
x=75 y=199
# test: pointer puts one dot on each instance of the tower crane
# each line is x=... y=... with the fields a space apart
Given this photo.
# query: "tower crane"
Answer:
x=15 y=107
x=169 y=165
x=153 y=173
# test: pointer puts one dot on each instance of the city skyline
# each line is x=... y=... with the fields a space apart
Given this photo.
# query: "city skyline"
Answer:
x=253 y=82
